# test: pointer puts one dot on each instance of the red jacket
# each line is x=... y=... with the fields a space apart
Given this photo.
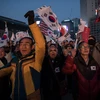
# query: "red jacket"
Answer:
x=86 y=78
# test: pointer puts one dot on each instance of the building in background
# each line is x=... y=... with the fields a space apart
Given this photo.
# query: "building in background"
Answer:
x=70 y=25
x=13 y=25
x=94 y=24
x=87 y=9
x=76 y=22
x=95 y=29
x=88 y=12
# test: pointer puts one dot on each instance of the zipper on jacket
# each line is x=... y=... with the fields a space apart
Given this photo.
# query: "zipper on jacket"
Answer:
x=18 y=78
x=89 y=90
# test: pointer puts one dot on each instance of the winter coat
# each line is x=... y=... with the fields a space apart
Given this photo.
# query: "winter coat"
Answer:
x=96 y=53
x=86 y=78
x=49 y=83
x=25 y=72
x=5 y=86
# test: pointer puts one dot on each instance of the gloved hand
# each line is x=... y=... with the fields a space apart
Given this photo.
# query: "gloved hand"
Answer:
x=30 y=16
x=69 y=66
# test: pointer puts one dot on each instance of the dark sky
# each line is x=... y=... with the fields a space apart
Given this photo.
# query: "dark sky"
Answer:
x=16 y=9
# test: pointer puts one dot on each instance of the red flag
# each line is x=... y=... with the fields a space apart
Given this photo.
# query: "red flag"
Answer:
x=85 y=34
x=97 y=20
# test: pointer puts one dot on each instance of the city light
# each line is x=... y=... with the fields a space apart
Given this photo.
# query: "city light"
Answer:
x=66 y=27
x=37 y=22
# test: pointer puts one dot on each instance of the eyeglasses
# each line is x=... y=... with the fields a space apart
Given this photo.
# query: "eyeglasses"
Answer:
x=85 y=47
x=25 y=44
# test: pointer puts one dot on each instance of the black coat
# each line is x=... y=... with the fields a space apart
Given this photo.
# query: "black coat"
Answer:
x=49 y=83
x=86 y=79
x=5 y=84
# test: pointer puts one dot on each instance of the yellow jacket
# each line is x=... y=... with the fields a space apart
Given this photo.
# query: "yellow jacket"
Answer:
x=29 y=68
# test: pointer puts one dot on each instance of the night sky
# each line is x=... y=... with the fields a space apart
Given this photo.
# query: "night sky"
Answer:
x=64 y=9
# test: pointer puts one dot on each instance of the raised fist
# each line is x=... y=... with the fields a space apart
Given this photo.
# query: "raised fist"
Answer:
x=30 y=16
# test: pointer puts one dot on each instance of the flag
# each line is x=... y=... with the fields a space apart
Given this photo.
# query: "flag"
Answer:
x=12 y=37
x=83 y=31
x=48 y=16
x=63 y=38
x=85 y=34
x=3 y=43
x=4 y=39
x=97 y=20
x=45 y=29
x=5 y=35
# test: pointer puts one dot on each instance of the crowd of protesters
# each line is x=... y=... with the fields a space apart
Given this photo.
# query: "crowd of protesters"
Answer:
x=38 y=67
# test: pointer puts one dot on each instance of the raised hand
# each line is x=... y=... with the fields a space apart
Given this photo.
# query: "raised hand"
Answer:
x=30 y=16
